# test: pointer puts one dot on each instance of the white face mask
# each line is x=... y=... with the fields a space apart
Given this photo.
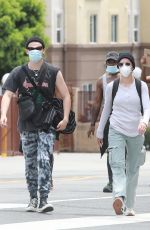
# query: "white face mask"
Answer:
x=125 y=70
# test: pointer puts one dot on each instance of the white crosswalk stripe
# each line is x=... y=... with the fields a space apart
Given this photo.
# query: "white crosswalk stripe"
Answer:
x=13 y=205
x=93 y=221
x=70 y=223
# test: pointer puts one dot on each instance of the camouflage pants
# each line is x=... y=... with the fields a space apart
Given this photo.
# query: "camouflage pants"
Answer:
x=37 y=149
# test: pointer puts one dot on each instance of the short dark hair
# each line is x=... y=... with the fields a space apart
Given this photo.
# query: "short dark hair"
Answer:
x=34 y=39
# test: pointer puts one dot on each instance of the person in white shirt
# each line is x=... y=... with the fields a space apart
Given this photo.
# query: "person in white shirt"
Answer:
x=127 y=128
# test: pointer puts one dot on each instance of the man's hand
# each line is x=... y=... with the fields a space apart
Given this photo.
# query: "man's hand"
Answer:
x=62 y=125
x=91 y=131
x=3 y=121
x=5 y=102
x=100 y=142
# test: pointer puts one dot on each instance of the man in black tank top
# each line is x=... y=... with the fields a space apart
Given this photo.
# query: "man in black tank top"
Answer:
x=112 y=72
x=37 y=144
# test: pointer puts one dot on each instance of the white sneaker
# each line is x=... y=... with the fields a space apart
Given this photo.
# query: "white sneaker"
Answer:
x=129 y=212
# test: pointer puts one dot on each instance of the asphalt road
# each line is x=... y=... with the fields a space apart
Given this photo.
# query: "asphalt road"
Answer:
x=78 y=200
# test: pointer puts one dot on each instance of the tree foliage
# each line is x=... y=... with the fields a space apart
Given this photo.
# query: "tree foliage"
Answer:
x=19 y=20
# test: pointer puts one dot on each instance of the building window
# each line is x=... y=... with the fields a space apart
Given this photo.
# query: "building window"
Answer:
x=59 y=28
x=136 y=28
x=93 y=28
x=87 y=87
x=114 y=28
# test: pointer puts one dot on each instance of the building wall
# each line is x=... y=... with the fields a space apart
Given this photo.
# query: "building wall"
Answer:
x=76 y=23
x=48 y=18
x=81 y=142
x=84 y=9
x=70 y=21
x=77 y=20
x=145 y=21
x=53 y=8
x=83 y=62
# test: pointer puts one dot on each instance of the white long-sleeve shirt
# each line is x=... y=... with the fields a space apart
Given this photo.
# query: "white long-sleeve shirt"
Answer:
x=126 y=113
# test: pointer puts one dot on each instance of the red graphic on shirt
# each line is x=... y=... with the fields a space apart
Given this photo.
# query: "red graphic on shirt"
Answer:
x=29 y=85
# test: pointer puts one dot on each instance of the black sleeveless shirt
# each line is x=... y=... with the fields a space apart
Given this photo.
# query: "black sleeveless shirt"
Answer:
x=17 y=82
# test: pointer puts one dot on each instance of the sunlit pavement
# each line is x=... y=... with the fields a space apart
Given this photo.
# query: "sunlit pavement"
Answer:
x=78 y=200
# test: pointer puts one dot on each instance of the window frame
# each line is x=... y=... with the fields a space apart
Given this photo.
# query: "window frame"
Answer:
x=59 y=28
x=114 y=28
x=93 y=27
x=136 y=28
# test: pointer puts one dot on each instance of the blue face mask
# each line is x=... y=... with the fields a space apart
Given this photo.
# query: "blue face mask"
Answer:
x=35 y=55
x=112 y=69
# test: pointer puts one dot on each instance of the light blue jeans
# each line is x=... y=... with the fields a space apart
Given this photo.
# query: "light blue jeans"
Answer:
x=125 y=181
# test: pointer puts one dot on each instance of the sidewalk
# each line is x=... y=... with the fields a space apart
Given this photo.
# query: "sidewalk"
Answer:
x=13 y=167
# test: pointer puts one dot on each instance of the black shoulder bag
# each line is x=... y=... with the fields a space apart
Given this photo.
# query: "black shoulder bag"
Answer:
x=53 y=110
x=26 y=101
x=26 y=106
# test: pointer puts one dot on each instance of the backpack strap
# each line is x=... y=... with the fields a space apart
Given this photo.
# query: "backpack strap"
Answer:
x=139 y=91
x=42 y=74
x=115 y=89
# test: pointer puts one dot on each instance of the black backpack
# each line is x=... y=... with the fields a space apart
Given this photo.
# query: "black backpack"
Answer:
x=114 y=91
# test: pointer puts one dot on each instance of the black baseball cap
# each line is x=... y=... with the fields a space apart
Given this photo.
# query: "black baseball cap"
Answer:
x=34 y=39
x=113 y=55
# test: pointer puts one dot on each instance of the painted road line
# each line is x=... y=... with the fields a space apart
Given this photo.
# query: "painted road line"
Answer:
x=11 y=206
x=14 y=205
x=71 y=223
x=66 y=178
x=93 y=198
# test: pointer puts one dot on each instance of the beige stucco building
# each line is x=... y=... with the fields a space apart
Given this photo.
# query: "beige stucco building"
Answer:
x=144 y=22
x=83 y=31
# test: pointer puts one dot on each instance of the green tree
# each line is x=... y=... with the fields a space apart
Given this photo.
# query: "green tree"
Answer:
x=19 y=20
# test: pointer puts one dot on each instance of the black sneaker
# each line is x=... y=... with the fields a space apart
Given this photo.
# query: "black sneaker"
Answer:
x=108 y=188
x=44 y=206
x=32 y=207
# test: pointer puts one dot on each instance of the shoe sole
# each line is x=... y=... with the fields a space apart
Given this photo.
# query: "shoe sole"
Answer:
x=45 y=209
x=107 y=191
x=130 y=214
x=117 y=205
x=31 y=210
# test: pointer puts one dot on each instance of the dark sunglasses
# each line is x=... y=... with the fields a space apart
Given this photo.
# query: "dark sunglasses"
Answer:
x=35 y=48
x=121 y=64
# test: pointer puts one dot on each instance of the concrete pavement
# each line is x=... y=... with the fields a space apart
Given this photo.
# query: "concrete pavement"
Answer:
x=77 y=196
